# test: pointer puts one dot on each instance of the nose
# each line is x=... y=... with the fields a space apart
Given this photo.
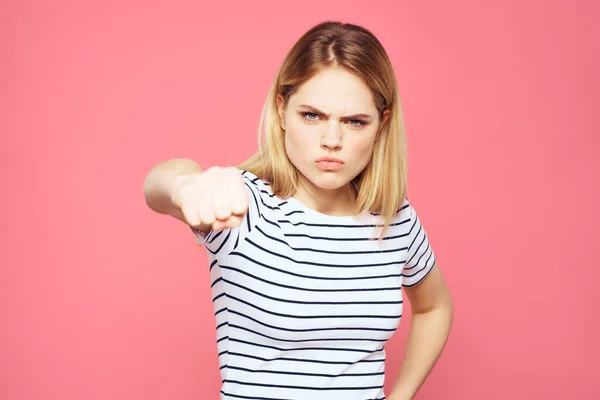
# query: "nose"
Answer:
x=332 y=136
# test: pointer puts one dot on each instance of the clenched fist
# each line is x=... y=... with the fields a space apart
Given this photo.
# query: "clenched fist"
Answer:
x=213 y=199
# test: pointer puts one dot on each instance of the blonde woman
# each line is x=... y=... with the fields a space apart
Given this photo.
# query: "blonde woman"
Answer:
x=312 y=243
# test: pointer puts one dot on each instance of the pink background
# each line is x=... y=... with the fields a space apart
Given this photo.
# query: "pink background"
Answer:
x=103 y=299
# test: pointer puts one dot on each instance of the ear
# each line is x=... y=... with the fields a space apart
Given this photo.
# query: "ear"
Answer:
x=281 y=111
x=384 y=117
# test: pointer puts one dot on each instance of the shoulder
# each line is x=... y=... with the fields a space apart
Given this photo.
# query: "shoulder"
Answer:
x=404 y=213
x=254 y=181
x=405 y=220
x=258 y=189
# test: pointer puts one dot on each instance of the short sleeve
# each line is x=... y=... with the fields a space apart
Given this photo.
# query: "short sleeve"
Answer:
x=420 y=257
x=227 y=240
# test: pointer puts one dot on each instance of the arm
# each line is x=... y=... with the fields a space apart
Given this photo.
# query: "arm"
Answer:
x=212 y=199
x=160 y=183
x=432 y=311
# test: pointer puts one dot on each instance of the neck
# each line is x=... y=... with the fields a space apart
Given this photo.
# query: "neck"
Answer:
x=338 y=202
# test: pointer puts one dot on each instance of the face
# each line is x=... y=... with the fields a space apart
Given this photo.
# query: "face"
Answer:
x=331 y=124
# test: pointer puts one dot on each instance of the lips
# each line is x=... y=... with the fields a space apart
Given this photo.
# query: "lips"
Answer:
x=329 y=163
x=330 y=159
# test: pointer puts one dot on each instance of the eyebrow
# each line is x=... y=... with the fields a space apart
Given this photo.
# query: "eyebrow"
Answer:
x=354 y=116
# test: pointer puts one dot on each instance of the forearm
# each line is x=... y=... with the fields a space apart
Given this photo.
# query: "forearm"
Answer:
x=159 y=183
x=427 y=337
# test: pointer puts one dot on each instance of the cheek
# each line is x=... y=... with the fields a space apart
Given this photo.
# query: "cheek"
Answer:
x=300 y=139
x=362 y=147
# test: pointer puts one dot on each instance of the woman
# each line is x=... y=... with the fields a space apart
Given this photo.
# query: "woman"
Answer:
x=312 y=243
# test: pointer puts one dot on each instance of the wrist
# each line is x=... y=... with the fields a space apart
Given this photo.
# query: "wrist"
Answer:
x=399 y=396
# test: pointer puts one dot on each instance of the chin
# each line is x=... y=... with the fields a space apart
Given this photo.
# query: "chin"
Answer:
x=329 y=181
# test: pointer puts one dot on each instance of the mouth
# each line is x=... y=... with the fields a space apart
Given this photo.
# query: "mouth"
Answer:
x=329 y=163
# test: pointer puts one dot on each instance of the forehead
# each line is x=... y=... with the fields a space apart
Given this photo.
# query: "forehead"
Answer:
x=336 y=91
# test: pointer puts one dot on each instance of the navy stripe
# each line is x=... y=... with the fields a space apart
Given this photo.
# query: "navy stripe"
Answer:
x=304 y=348
x=222 y=244
x=222 y=324
x=307 y=340
x=263 y=371
x=335 y=303
x=415 y=252
x=328 y=278
x=303 y=387
x=313 y=329
x=215 y=237
x=420 y=279
x=226 y=267
x=220 y=311
x=284 y=221
x=305 y=360
x=416 y=235
x=255 y=201
x=321 y=264
x=217 y=297
x=419 y=271
x=223 y=338
x=427 y=251
x=294 y=212
x=258 y=228
x=342 y=239
x=237 y=239
x=238 y=396
x=260 y=198
x=229 y=296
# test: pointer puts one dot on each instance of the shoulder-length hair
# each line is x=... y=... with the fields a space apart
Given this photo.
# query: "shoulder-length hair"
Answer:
x=382 y=185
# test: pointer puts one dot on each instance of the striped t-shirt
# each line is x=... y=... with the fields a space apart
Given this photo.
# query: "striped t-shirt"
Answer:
x=305 y=302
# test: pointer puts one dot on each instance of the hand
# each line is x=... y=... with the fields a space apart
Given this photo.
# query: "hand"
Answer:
x=213 y=199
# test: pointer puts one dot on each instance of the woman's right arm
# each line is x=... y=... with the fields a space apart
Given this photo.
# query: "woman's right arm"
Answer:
x=212 y=199
x=160 y=183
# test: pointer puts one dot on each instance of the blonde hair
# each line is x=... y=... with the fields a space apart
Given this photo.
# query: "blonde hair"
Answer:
x=382 y=185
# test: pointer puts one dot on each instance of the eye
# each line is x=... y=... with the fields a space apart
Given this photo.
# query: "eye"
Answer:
x=356 y=123
x=311 y=116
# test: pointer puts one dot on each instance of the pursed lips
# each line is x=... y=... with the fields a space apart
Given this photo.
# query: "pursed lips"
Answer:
x=330 y=163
